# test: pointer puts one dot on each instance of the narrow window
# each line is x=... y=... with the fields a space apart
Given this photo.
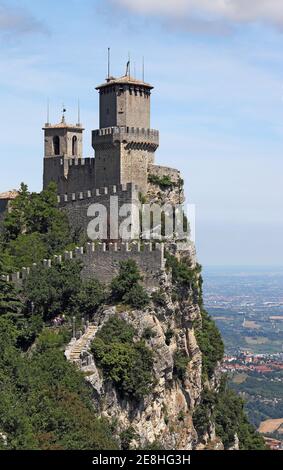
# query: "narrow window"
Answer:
x=75 y=145
x=56 y=145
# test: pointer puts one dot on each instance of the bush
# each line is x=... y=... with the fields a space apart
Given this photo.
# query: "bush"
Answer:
x=126 y=438
x=168 y=336
x=181 y=361
x=126 y=288
x=35 y=218
x=226 y=410
x=164 y=182
x=53 y=291
x=158 y=297
x=91 y=295
x=44 y=401
x=148 y=333
x=126 y=363
x=185 y=277
x=136 y=297
x=210 y=343
x=127 y=278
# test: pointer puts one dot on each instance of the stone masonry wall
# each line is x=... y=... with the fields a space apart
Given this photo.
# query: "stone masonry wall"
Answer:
x=76 y=205
x=102 y=261
x=70 y=175
x=161 y=171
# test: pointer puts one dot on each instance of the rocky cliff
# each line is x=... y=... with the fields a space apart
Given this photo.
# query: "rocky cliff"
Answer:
x=164 y=417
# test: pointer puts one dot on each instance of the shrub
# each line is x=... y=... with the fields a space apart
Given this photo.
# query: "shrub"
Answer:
x=183 y=276
x=168 y=336
x=210 y=343
x=136 y=297
x=181 y=361
x=91 y=295
x=126 y=438
x=158 y=297
x=127 y=278
x=126 y=288
x=148 y=333
x=164 y=182
x=44 y=400
x=127 y=363
x=52 y=291
x=226 y=410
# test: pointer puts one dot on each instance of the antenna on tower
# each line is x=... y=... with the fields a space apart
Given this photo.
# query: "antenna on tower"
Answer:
x=79 y=113
x=108 y=70
x=63 y=113
x=48 y=112
x=129 y=65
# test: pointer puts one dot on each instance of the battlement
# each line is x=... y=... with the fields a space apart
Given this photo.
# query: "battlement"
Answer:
x=127 y=135
x=115 y=190
x=126 y=130
x=102 y=261
x=80 y=162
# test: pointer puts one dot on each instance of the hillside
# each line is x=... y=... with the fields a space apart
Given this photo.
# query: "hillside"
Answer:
x=155 y=381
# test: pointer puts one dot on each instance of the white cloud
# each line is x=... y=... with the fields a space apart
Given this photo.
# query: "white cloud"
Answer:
x=209 y=11
x=18 y=20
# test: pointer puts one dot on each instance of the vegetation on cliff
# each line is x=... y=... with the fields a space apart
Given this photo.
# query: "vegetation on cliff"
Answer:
x=127 y=363
x=226 y=410
x=33 y=229
x=126 y=286
x=45 y=402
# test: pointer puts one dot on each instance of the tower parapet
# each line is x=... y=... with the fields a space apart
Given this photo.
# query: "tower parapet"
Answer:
x=133 y=137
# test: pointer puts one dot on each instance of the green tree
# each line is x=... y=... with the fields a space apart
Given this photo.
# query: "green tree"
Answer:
x=15 y=221
x=181 y=361
x=52 y=290
x=126 y=363
x=91 y=295
x=27 y=249
x=45 y=402
x=126 y=287
x=211 y=344
x=10 y=302
x=137 y=297
x=35 y=220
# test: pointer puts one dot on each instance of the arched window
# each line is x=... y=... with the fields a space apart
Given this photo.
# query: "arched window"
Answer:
x=75 y=145
x=56 y=145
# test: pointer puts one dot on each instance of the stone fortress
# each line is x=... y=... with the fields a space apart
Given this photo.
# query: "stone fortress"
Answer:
x=123 y=166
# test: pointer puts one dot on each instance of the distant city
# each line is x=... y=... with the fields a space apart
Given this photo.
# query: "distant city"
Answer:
x=247 y=305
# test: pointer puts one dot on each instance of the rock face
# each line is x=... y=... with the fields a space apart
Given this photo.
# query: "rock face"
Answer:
x=164 y=416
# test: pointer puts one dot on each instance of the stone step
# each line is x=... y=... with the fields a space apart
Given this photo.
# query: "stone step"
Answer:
x=78 y=347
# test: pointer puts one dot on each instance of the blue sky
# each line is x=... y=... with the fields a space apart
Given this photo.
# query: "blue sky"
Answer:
x=218 y=101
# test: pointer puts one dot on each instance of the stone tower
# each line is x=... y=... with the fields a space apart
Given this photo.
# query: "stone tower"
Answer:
x=63 y=149
x=124 y=144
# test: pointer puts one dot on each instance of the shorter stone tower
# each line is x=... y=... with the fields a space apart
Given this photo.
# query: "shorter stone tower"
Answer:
x=63 y=162
x=63 y=140
x=124 y=144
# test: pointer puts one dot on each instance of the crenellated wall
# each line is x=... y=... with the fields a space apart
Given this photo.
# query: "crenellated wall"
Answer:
x=76 y=205
x=70 y=174
x=102 y=261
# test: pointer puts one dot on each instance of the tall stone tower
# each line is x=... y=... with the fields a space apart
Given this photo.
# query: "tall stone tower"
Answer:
x=124 y=144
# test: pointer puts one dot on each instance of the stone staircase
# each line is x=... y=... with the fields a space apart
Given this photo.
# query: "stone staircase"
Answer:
x=77 y=347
